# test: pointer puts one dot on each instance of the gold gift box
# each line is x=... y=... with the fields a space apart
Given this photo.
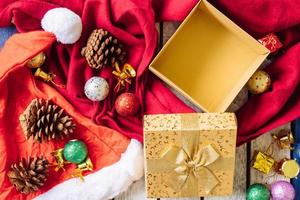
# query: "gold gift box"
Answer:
x=189 y=155
x=209 y=58
x=263 y=163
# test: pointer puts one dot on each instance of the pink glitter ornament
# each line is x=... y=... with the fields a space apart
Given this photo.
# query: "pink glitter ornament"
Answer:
x=282 y=190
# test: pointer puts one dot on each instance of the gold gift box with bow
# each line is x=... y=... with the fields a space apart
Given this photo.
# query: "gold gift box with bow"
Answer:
x=189 y=155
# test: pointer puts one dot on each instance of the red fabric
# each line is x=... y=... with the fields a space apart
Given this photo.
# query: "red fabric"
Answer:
x=133 y=22
x=18 y=88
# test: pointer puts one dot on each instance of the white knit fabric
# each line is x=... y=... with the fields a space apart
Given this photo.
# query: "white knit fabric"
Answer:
x=64 y=23
x=105 y=183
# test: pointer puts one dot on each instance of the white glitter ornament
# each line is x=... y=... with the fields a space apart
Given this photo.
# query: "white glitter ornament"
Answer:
x=96 y=88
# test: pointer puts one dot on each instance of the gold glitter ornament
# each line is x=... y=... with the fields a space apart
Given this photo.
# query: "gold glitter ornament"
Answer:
x=37 y=61
x=288 y=168
x=259 y=82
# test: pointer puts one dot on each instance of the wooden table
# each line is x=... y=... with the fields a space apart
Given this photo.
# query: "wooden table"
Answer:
x=244 y=174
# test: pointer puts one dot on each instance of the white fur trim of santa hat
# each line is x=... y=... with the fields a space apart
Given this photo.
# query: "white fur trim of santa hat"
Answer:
x=105 y=183
x=64 y=24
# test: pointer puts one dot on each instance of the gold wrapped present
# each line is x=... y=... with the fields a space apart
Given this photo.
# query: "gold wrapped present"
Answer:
x=263 y=162
x=189 y=155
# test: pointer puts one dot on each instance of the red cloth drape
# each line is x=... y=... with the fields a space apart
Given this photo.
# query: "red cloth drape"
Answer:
x=133 y=22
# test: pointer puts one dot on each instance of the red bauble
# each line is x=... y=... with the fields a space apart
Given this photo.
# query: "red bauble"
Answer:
x=127 y=104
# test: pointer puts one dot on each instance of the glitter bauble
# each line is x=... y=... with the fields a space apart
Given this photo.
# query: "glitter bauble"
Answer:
x=75 y=151
x=282 y=190
x=127 y=104
x=257 y=191
x=96 y=88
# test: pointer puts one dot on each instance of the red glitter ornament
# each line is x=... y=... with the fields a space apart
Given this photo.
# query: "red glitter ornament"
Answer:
x=127 y=104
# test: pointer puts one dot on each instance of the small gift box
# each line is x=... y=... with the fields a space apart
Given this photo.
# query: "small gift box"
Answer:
x=189 y=155
x=263 y=162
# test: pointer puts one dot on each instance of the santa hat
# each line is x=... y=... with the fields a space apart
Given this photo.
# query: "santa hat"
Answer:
x=117 y=160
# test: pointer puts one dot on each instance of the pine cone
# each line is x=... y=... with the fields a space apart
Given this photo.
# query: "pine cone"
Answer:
x=45 y=121
x=29 y=175
x=103 y=49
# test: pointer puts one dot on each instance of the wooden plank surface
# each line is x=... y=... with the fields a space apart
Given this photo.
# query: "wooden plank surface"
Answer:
x=244 y=174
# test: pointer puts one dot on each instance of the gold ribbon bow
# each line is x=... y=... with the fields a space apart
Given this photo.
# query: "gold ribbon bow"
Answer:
x=123 y=75
x=284 y=140
x=189 y=166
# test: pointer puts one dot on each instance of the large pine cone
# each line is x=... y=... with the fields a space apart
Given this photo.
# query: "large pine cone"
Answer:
x=103 y=49
x=45 y=121
x=29 y=175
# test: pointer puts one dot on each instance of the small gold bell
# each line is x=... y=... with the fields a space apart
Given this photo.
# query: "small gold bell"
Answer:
x=47 y=77
x=37 y=61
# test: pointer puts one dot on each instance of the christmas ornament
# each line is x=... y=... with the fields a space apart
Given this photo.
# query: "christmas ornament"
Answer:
x=60 y=162
x=257 y=191
x=123 y=76
x=288 y=168
x=284 y=139
x=47 y=77
x=85 y=166
x=75 y=151
x=259 y=82
x=127 y=104
x=263 y=162
x=103 y=49
x=64 y=24
x=29 y=175
x=96 y=88
x=37 y=61
x=282 y=190
x=271 y=42
x=43 y=120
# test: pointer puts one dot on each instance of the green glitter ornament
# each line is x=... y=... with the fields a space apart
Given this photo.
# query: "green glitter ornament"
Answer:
x=75 y=151
x=257 y=191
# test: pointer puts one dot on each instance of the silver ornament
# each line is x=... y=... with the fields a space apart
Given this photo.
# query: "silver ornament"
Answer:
x=96 y=88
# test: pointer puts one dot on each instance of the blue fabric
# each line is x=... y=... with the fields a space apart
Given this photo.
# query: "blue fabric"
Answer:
x=5 y=33
x=296 y=155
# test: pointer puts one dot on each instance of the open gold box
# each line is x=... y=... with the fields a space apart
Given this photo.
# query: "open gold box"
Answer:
x=209 y=58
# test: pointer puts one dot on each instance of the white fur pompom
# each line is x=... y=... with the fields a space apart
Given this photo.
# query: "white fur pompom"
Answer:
x=64 y=23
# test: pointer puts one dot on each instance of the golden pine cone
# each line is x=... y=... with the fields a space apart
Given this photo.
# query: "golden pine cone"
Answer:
x=103 y=49
x=29 y=175
x=43 y=120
